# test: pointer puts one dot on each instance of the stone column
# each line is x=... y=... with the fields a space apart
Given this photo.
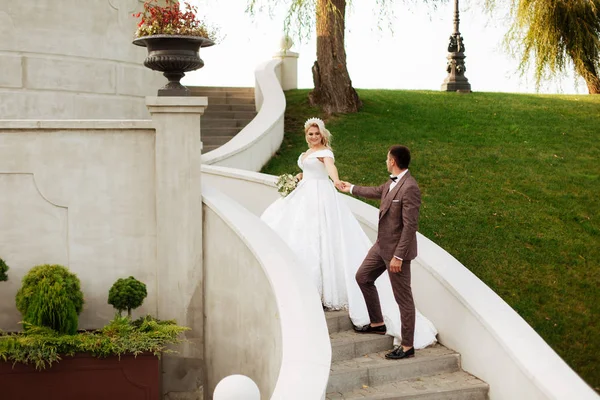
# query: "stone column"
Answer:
x=179 y=235
x=289 y=66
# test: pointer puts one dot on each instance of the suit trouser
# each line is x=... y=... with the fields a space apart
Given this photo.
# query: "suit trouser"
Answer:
x=371 y=268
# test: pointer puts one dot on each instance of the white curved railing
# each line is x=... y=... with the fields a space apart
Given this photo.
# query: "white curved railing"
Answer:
x=304 y=352
x=254 y=145
x=495 y=343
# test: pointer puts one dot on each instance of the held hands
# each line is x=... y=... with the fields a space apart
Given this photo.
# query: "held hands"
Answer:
x=343 y=186
x=395 y=265
x=299 y=177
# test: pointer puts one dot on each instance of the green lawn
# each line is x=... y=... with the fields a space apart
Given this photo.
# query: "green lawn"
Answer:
x=511 y=188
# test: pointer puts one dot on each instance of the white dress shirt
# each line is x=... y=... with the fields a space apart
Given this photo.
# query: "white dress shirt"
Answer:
x=397 y=179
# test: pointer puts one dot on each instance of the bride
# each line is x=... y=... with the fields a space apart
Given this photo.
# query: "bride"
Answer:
x=316 y=223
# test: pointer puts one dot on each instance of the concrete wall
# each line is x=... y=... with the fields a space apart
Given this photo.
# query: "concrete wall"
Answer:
x=263 y=315
x=110 y=199
x=495 y=343
x=70 y=59
x=80 y=194
x=242 y=328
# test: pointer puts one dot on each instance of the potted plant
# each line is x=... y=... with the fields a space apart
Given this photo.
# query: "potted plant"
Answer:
x=173 y=35
x=47 y=360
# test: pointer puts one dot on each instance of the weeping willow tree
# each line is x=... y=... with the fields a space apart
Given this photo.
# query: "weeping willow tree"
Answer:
x=552 y=35
x=333 y=90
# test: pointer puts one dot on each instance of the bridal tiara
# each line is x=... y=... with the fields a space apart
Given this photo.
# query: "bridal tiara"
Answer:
x=312 y=121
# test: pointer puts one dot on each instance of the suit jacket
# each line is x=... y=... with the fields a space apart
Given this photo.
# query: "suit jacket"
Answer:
x=398 y=216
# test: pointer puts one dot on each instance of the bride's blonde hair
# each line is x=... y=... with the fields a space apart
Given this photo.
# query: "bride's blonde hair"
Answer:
x=325 y=134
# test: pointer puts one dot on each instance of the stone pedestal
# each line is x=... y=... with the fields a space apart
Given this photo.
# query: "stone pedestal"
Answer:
x=179 y=235
x=289 y=69
x=178 y=201
x=456 y=81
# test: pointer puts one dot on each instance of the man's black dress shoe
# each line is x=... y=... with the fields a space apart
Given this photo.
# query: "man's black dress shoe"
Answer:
x=380 y=330
x=398 y=353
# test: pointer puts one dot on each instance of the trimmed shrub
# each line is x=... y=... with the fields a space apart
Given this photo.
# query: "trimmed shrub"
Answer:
x=51 y=297
x=127 y=294
x=3 y=270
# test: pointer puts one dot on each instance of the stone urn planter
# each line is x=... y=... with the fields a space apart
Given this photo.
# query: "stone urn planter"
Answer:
x=173 y=55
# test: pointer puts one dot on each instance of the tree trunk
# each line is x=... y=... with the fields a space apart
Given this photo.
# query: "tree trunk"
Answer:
x=587 y=69
x=333 y=88
x=593 y=83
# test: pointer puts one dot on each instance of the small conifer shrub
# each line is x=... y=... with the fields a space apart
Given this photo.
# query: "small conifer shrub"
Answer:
x=127 y=294
x=51 y=297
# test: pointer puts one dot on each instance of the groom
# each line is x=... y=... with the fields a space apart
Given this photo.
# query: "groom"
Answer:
x=395 y=247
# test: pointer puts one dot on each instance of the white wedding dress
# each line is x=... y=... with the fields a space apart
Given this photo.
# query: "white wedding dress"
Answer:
x=320 y=228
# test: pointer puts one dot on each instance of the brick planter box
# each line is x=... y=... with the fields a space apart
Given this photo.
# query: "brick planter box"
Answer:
x=83 y=377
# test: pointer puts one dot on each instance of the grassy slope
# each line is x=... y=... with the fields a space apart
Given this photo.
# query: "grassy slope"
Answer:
x=511 y=188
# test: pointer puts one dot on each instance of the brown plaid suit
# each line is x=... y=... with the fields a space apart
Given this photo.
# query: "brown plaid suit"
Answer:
x=396 y=236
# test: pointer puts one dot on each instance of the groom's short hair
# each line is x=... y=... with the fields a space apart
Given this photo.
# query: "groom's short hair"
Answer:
x=400 y=154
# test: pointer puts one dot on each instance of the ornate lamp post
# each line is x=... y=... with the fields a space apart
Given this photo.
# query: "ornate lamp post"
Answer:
x=456 y=81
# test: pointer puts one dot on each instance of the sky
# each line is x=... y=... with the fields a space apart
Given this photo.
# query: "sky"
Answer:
x=412 y=57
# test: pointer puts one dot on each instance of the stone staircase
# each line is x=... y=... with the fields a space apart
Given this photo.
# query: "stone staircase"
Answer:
x=229 y=110
x=359 y=369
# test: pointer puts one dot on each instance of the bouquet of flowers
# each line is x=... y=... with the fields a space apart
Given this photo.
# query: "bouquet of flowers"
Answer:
x=286 y=183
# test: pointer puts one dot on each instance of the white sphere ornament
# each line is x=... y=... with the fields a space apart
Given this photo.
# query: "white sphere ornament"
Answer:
x=236 y=387
x=285 y=43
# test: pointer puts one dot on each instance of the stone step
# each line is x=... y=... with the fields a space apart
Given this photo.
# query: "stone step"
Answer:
x=338 y=321
x=231 y=107
x=229 y=95
x=347 y=345
x=234 y=100
x=244 y=115
x=209 y=90
x=209 y=147
x=218 y=123
x=229 y=110
x=450 y=386
x=224 y=122
x=220 y=131
x=215 y=140
x=375 y=370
